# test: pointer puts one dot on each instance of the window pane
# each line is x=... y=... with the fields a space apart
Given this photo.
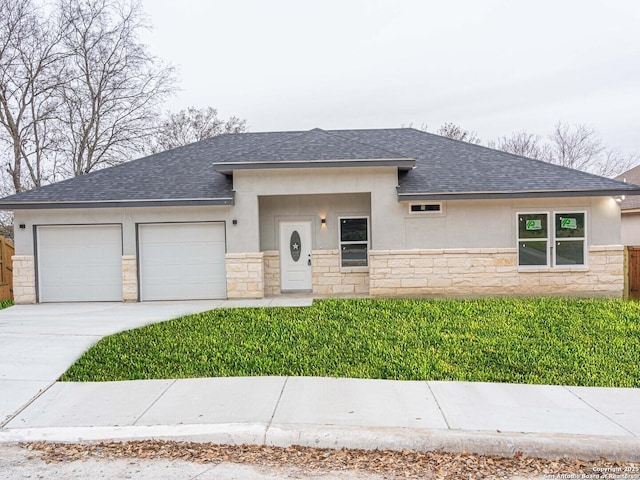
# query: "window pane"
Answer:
x=353 y=230
x=354 y=255
x=569 y=225
x=570 y=252
x=429 y=207
x=532 y=225
x=532 y=253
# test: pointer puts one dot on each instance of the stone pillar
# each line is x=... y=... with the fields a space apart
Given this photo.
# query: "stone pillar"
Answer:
x=271 y=273
x=245 y=275
x=129 y=278
x=24 y=279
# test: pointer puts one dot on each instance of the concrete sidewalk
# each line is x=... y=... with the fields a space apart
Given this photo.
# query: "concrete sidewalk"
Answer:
x=546 y=421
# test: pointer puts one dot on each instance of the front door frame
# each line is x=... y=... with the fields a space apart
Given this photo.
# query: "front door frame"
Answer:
x=305 y=267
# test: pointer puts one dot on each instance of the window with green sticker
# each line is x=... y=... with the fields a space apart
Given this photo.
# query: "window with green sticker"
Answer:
x=533 y=239
x=556 y=243
x=570 y=238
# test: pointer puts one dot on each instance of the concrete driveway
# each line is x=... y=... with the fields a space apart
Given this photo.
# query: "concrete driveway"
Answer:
x=38 y=343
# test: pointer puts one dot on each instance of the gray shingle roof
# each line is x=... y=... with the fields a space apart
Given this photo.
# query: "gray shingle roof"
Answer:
x=313 y=145
x=443 y=167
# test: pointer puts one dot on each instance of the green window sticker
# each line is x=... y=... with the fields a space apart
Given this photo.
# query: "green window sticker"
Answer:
x=567 y=222
x=535 y=224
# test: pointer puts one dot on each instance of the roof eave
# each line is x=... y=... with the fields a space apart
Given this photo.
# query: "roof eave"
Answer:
x=401 y=163
x=408 y=197
x=8 y=206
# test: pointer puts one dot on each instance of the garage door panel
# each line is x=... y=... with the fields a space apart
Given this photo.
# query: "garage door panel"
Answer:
x=182 y=261
x=79 y=263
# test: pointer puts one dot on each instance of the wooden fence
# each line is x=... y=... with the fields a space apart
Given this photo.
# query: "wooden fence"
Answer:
x=6 y=269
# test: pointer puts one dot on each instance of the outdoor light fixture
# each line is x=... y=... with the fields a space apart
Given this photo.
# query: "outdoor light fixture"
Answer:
x=323 y=221
x=619 y=198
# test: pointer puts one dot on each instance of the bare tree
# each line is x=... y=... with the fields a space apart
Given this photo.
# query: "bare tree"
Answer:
x=573 y=146
x=456 y=132
x=192 y=125
x=613 y=163
x=523 y=144
x=577 y=147
x=30 y=73
x=115 y=86
x=580 y=147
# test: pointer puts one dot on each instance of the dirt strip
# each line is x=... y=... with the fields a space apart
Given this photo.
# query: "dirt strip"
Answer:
x=391 y=464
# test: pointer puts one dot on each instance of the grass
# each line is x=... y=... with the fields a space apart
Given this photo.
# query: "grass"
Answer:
x=545 y=341
x=5 y=303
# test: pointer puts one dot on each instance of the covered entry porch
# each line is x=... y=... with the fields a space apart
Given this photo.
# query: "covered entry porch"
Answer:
x=316 y=243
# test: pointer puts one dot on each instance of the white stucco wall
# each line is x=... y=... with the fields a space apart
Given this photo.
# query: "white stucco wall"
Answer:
x=381 y=182
x=492 y=223
x=274 y=209
x=127 y=217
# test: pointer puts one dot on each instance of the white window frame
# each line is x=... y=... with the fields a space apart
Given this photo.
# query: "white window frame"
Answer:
x=552 y=239
x=436 y=213
x=585 y=251
x=359 y=242
x=548 y=239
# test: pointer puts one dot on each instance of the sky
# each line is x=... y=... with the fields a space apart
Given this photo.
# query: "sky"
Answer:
x=493 y=67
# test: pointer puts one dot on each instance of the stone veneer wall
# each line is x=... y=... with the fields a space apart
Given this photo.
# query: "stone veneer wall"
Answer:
x=129 y=278
x=245 y=275
x=491 y=271
x=24 y=279
x=271 y=273
x=327 y=277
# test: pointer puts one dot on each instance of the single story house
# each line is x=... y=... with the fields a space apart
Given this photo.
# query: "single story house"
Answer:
x=630 y=210
x=386 y=212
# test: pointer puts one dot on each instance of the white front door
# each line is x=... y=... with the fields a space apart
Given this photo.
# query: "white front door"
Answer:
x=295 y=256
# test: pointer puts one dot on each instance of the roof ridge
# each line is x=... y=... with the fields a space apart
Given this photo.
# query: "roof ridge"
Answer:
x=370 y=145
x=307 y=132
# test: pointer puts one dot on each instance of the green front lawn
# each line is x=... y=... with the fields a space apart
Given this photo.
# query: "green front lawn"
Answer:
x=547 y=341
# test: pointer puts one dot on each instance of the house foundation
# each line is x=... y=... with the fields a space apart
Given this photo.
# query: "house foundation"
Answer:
x=327 y=276
x=491 y=271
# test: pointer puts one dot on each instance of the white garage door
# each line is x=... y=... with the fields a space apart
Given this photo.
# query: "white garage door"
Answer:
x=182 y=261
x=79 y=263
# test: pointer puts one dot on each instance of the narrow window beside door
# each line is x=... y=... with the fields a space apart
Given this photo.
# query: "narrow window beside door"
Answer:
x=354 y=242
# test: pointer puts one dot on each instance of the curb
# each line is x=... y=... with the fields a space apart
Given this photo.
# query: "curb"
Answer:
x=550 y=446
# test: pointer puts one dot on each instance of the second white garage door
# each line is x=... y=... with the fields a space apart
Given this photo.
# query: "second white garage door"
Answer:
x=182 y=261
